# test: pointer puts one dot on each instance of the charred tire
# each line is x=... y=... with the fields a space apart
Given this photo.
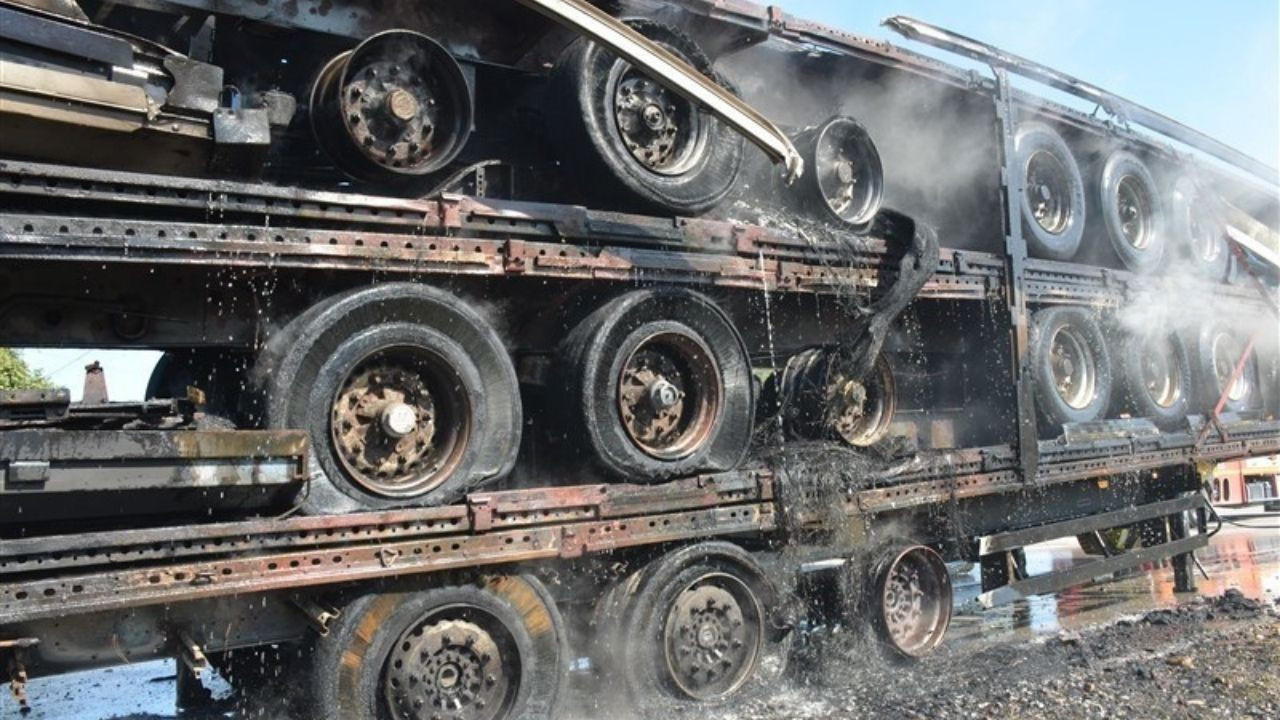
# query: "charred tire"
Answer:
x=494 y=650
x=630 y=140
x=1070 y=366
x=706 y=605
x=1156 y=377
x=820 y=400
x=1053 y=205
x=1132 y=211
x=1217 y=351
x=409 y=397
x=1198 y=228
x=659 y=383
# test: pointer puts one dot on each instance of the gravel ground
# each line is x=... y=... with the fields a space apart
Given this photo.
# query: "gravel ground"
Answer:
x=1208 y=658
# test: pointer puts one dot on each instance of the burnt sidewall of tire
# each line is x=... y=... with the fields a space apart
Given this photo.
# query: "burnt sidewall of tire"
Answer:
x=584 y=127
x=639 y=615
x=347 y=665
x=1052 y=408
x=1119 y=165
x=1132 y=384
x=595 y=354
x=1033 y=137
x=351 y=325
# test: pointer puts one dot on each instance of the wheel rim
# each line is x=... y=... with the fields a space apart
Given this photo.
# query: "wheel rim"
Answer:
x=712 y=636
x=915 y=601
x=456 y=664
x=661 y=130
x=669 y=395
x=1133 y=203
x=1049 y=192
x=398 y=105
x=1162 y=372
x=1074 y=370
x=1226 y=353
x=400 y=422
x=1199 y=224
x=848 y=170
x=859 y=413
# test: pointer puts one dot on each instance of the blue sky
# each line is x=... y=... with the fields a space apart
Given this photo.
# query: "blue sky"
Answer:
x=1212 y=66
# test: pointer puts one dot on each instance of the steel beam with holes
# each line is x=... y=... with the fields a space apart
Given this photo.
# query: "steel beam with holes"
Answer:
x=23 y=601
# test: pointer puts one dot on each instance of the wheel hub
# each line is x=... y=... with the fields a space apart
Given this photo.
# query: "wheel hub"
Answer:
x=660 y=129
x=1226 y=354
x=391 y=113
x=398 y=423
x=668 y=396
x=1073 y=368
x=1161 y=373
x=847 y=171
x=449 y=670
x=1133 y=206
x=712 y=641
x=857 y=411
x=1047 y=185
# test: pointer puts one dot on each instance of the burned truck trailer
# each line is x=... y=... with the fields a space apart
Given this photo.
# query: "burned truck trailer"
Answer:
x=498 y=335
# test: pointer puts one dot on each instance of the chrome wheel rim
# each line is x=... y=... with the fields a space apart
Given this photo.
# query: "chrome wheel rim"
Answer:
x=1161 y=372
x=848 y=171
x=712 y=636
x=1133 y=203
x=1049 y=192
x=1074 y=369
x=1226 y=351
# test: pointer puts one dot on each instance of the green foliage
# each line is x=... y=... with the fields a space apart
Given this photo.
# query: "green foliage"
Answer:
x=17 y=375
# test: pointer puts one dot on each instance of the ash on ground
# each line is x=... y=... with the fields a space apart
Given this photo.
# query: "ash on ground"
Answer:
x=1208 y=658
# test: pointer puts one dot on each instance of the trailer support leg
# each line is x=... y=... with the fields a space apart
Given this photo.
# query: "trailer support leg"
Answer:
x=1184 y=578
x=995 y=571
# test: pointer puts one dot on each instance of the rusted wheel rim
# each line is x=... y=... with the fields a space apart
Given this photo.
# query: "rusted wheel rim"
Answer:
x=452 y=666
x=1134 y=206
x=1075 y=373
x=1162 y=372
x=1049 y=192
x=859 y=413
x=1226 y=354
x=914 y=601
x=400 y=422
x=669 y=395
x=664 y=132
x=712 y=636
x=391 y=112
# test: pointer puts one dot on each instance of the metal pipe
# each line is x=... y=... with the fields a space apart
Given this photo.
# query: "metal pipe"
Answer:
x=675 y=74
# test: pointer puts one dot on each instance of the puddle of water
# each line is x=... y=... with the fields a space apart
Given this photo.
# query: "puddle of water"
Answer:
x=1248 y=560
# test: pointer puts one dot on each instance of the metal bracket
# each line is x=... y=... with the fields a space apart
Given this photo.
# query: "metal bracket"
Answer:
x=192 y=655
x=317 y=616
